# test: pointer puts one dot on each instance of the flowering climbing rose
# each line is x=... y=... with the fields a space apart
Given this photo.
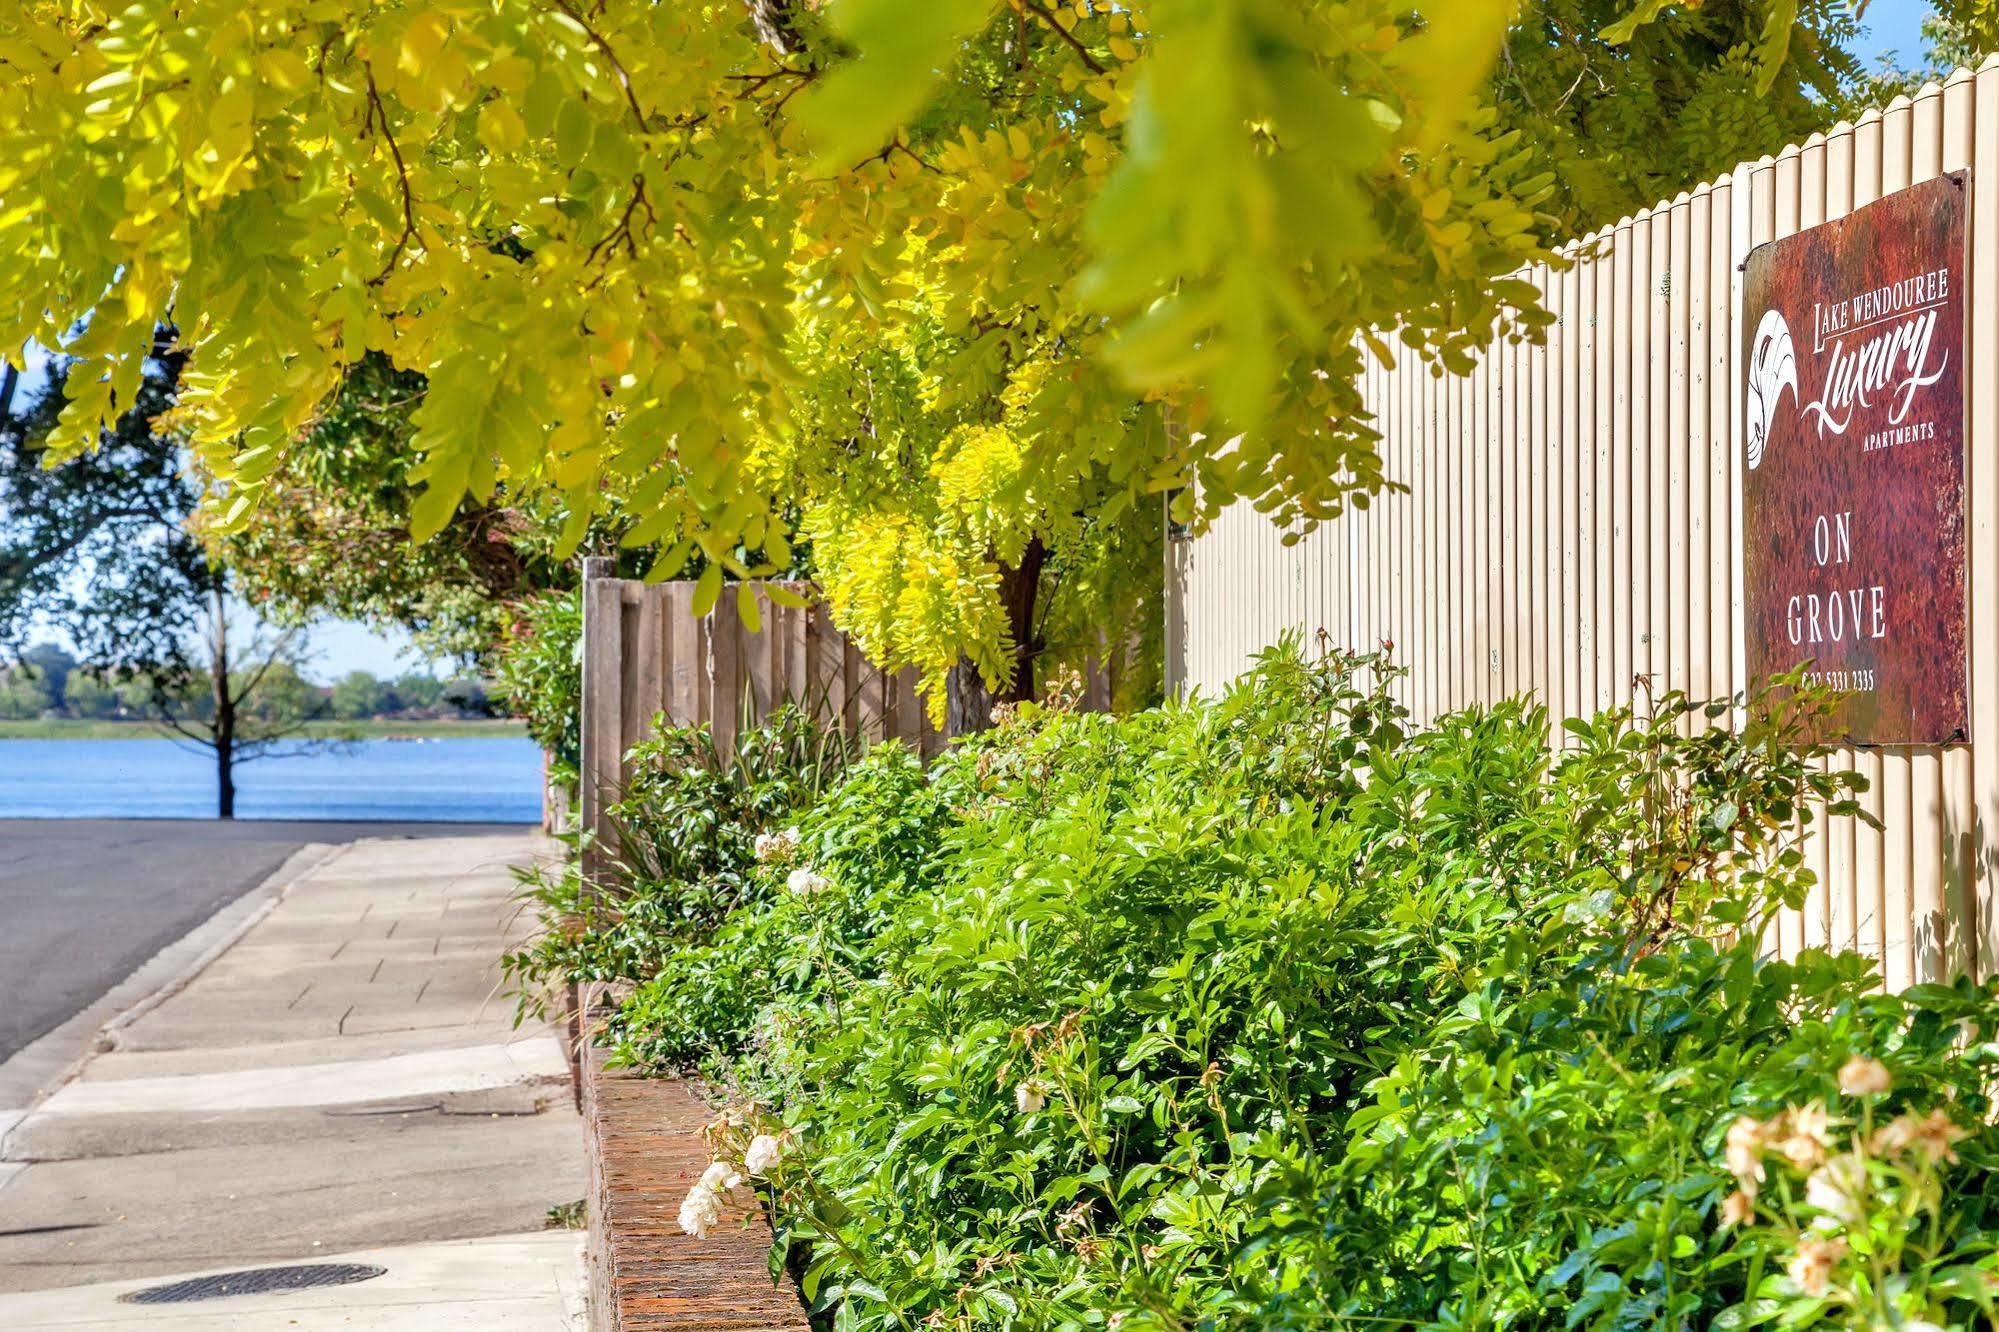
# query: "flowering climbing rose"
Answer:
x=1861 y=1076
x=1744 y=1151
x=1839 y=1188
x=776 y=847
x=701 y=1210
x=804 y=882
x=1737 y=1209
x=1811 y=1266
x=763 y=1154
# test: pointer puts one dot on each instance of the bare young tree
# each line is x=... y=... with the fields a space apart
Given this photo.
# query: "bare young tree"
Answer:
x=102 y=548
x=252 y=704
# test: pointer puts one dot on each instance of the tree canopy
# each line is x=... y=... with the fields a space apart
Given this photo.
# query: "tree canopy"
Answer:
x=939 y=286
x=1627 y=113
x=330 y=535
x=102 y=546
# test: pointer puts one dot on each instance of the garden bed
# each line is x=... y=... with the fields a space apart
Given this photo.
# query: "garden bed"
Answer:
x=1273 y=1012
x=646 y=1274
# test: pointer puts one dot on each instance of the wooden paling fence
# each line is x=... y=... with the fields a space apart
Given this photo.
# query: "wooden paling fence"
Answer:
x=647 y=655
x=1575 y=519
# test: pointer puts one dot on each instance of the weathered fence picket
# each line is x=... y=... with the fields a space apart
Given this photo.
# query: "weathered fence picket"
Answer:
x=646 y=654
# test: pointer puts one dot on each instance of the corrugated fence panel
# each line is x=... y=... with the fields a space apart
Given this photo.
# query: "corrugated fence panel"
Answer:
x=1573 y=520
x=1978 y=771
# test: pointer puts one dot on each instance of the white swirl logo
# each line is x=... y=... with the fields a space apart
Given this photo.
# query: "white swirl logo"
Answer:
x=1773 y=367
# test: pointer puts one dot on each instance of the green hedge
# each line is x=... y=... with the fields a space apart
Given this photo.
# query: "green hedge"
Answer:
x=1267 y=1012
x=538 y=675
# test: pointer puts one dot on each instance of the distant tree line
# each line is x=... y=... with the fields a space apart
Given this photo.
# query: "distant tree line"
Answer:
x=47 y=681
x=109 y=550
x=411 y=696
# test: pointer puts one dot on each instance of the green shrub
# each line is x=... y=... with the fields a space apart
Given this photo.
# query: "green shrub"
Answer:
x=538 y=675
x=1269 y=1012
x=878 y=831
x=686 y=828
x=1551 y=1155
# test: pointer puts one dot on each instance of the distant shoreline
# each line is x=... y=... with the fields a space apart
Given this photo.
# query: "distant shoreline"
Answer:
x=69 y=728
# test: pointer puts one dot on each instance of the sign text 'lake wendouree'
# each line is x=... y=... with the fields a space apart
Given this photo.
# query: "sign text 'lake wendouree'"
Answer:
x=1853 y=487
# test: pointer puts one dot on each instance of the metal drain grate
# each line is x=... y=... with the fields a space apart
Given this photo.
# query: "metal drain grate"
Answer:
x=256 y=1281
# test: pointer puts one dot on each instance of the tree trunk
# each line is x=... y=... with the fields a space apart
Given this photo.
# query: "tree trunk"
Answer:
x=968 y=703
x=225 y=712
x=1020 y=591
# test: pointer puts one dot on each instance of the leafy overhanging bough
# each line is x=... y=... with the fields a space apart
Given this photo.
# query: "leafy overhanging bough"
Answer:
x=915 y=278
x=329 y=537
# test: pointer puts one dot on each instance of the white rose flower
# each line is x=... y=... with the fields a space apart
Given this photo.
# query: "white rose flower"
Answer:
x=776 y=846
x=1839 y=1188
x=1030 y=1096
x=1861 y=1076
x=804 y=882
x=764 y=1153
x=1811 y=1266
x=720 y=1176
x=1737 y=1209
x=701 y=1212
x=1746 y=1140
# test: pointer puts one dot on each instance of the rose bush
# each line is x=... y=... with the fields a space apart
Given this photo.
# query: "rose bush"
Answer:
x=1273 y=1011
x=693 y=826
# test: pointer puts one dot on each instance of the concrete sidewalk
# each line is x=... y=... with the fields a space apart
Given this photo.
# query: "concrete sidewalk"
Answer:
x=343 y=1079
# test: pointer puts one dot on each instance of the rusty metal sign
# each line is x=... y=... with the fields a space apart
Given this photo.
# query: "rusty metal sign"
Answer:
x=1853 y=480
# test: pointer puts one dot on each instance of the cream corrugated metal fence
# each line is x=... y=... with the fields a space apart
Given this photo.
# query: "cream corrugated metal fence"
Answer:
x=1574 y=519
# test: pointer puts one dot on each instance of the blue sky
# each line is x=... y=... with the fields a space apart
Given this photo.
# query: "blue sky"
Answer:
x=1894 y=25
x=331 y=649
x=340 y=646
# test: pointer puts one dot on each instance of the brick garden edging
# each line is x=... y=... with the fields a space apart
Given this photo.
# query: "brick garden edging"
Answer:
x=646 y=1275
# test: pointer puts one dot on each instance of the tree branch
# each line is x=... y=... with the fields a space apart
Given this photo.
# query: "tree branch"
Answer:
x=617 y=65
x=271 y=658
x=82 y=535
x=1075 y=44
x=276 y=746
x=900 y=147
x=771 y=112
x=204 y=737
x=378 y=114
x=623 y=230
x=755 y=83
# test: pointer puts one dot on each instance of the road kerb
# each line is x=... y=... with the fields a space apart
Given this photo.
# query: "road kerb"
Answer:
x=53 y=1060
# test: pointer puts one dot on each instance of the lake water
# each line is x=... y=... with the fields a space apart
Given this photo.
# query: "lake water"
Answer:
x=485 y=779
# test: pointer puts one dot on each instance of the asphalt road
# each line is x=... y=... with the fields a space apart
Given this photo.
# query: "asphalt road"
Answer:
x=83 y=902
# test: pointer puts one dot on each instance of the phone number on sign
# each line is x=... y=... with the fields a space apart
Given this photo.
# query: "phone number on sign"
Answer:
x=1860 y=679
